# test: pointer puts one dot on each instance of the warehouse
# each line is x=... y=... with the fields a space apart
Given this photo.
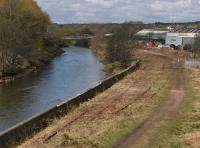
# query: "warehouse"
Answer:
x=152 y=34
x=180 y=38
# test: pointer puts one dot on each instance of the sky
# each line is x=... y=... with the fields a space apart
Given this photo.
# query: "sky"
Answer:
x=148 y=11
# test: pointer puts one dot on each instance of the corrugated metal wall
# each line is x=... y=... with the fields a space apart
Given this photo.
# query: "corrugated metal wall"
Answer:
x=173 y=40
x=188 y=41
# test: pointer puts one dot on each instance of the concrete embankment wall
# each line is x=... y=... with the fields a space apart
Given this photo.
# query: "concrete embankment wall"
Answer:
x=29 y=127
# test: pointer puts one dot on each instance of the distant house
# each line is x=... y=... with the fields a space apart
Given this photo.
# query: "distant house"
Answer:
x=179 y=38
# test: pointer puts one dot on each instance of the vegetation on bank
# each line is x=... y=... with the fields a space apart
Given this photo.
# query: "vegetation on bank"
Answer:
x=109 y=116
x=79 y=43
x=126 y=127
x=116 y=48
x=196 y=51
x=27 y=37
x=111 y=50
x=184 y=131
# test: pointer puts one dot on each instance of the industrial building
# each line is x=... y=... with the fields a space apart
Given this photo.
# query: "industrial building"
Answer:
x=169 y=37
x=180 y=38
x=152 y=34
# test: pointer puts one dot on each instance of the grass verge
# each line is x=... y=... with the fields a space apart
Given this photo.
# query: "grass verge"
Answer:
x=171 y=135
x=126 y=126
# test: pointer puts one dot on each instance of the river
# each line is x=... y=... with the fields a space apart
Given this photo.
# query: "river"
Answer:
x=67 y=75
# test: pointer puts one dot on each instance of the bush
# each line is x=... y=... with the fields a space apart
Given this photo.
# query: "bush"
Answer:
x=118 y=47
x=185 y=47
x=196 y=48
x=11 y=70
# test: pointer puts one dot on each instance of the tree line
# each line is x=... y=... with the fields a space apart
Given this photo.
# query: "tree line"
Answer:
x=196 y=48
x=114 y=45
x=24 y=31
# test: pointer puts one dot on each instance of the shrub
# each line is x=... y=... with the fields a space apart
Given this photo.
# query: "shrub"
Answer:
x=118 y=47
x=196 y=48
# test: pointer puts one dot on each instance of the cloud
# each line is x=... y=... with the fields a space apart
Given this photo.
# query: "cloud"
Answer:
x=104 y=3
x=85 y=11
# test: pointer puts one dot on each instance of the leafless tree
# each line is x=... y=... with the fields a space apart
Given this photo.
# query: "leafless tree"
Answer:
x=118 y=46
x=196 y=48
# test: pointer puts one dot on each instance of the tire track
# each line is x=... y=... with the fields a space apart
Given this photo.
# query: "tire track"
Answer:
x=167 y=110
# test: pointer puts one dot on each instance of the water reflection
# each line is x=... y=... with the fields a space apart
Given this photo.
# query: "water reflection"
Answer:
x=67 y=75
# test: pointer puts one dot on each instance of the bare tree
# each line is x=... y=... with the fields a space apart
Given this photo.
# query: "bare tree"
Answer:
x=196 y=48
x=118 y=46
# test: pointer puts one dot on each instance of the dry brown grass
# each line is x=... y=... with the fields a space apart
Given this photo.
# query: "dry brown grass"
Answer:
x=192 y=138
x=130 y=100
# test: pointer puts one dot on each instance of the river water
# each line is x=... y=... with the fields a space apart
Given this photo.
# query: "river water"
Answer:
x=67 y=75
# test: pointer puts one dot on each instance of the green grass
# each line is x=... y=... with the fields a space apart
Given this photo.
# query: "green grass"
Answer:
x=173 y=130
x=122 y=130
x=128 y=125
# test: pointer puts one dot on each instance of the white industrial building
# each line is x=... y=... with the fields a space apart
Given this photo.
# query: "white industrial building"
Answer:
x=182 y=37
x=153 y=33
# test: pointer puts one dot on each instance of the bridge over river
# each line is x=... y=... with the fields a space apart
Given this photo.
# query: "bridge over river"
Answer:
x=79 y=38
x=83 y=41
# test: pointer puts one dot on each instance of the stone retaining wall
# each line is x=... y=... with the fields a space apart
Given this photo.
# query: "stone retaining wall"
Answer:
x=29 y=127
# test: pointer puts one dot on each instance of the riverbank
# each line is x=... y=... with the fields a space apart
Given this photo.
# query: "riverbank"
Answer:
x=112 y=68
x=109 y=116
x=73 y=72
x=8 y=79
x=30 y=64
x=115 y=51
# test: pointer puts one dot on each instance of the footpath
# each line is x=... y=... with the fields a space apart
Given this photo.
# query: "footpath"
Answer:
x=135 y=106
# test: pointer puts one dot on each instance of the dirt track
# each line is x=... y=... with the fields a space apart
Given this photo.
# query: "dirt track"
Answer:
x=146 y=134
x=131 y=100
